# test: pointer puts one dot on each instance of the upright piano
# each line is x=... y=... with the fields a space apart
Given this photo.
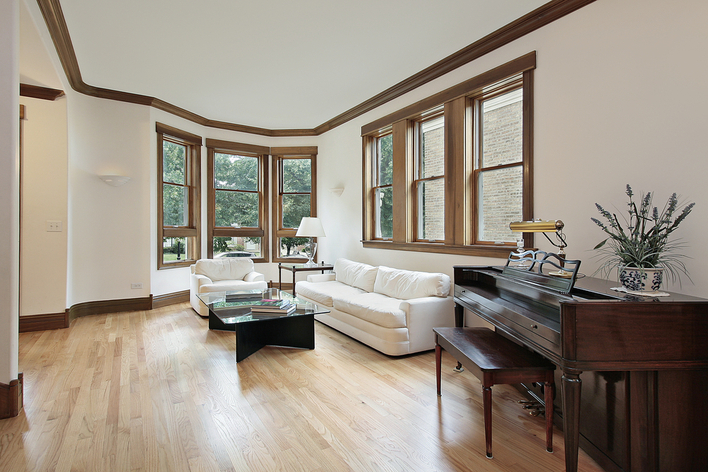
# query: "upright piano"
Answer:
x=633 y=370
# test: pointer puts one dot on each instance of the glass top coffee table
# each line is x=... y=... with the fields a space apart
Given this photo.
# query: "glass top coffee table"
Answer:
x=231 y=311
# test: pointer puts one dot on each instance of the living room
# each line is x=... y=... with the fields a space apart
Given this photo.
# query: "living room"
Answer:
x=618 y=99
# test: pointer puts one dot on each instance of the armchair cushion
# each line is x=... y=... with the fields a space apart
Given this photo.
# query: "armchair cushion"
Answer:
x=224 y=269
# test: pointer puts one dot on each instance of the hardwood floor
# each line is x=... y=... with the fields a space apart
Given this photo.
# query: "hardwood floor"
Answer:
x=157 y=391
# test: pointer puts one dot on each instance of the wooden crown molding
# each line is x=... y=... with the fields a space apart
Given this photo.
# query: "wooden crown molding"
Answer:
x=551 y=11
x=43 y=93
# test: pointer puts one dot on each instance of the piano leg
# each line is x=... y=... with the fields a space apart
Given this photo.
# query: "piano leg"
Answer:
x=571 y=418
x=459 y=323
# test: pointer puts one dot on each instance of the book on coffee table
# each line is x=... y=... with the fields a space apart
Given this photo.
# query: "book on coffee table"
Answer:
x=273 y=306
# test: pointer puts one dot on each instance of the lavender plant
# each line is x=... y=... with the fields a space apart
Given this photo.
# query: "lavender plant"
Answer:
x=644 y=241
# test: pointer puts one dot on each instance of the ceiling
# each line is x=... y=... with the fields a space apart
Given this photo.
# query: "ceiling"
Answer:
x=275 y=64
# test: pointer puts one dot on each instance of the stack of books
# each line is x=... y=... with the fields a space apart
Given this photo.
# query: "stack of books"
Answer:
x=272 y=307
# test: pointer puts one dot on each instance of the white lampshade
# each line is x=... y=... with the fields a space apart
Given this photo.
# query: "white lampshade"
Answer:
x=310 y=227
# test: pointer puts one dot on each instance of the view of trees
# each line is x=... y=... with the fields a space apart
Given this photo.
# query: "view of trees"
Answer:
x=384 y=196
x=236 y=194
x=297 y=187
x=175 y=196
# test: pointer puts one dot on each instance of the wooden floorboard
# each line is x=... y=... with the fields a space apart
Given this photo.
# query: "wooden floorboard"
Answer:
x=158 y=391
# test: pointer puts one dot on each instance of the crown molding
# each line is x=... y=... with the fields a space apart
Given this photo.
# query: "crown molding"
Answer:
x=43 y=93
x=551 y=11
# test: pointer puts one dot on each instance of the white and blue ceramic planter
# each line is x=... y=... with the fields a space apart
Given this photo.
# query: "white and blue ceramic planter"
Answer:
x=641 y=280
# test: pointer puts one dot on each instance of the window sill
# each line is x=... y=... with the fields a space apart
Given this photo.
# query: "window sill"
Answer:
x=501 y=252
x=176 y=265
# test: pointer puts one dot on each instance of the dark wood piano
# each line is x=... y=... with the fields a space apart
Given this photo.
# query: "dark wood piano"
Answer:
x=634 y=369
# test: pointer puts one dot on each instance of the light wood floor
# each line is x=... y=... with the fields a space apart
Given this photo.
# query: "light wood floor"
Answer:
x=156 y=390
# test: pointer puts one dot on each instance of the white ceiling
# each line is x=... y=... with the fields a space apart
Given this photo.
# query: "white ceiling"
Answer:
x=274 y=64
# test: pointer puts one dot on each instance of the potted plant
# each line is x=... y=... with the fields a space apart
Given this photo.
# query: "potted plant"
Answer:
x=641 y=250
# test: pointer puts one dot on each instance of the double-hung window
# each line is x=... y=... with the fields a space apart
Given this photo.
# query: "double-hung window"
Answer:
x=294 y=197
x=178 y=197
x=238 y=207
x=499 y=165
x=382 y=188
x=461 y=167
x=429 y=183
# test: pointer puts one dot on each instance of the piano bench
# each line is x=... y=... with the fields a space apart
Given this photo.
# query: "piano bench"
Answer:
x=494 y=359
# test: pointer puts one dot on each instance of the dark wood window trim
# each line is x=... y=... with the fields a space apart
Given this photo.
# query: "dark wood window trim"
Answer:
x=192 y=230
x=279 y=154
x=260 y=152
x=460 y=210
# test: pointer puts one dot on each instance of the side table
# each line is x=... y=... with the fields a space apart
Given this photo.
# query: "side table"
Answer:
x=295 y=268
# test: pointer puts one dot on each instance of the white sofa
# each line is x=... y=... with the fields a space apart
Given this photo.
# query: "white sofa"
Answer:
x=394 y=311
x=220 y=275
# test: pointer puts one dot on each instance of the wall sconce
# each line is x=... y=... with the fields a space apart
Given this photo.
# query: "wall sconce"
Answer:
x=114 y=180
x=337 y=191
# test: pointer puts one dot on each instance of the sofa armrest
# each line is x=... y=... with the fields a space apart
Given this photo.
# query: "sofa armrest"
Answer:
x=424 y=314
x=254 y=277
x=197 y=281
x=320 y=278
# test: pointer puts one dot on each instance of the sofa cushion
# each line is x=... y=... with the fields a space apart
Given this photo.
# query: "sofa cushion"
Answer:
x=406 y=284
x=355 y=274
x=224 y=268
x=374 y=308
x=322 y=293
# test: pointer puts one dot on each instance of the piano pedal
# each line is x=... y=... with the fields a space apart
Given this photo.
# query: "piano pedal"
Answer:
x=535 y=408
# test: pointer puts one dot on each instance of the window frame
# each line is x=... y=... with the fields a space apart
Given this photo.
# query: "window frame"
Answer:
x=279 y=154
x=418 y=179
x=375 y=169
x=191 y=231
x=248 y=150
x=460 y=210
x=475 y=104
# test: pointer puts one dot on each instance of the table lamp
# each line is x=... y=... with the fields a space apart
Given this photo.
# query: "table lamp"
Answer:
x=310 y=227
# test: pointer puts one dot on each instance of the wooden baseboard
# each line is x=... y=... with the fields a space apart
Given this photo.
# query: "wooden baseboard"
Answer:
x=109 y=306
x=44 y=322
x=167 y=299
x=11 y=398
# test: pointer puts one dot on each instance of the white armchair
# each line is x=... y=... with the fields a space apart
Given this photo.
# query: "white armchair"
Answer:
x=219 y=275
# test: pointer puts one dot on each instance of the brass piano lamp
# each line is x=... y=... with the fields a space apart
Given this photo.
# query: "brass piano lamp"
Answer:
x=539 y=226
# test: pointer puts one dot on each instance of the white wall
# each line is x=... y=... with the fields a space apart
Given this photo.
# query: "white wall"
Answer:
x=44 y=189
x=620 y=97
x=9 y=188
x=109 y=227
